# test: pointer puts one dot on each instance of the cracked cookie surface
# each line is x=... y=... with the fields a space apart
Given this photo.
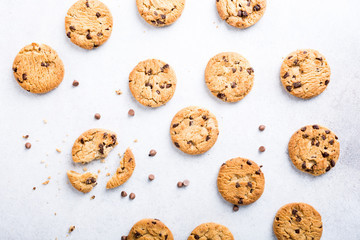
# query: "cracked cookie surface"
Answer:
x=150 y=229
x=82 y=182
x=211 y=231
x=314 y=149
x=160 y=12
x=93 y=144
x=240 y=181
x=38 y=69
x=124 y=172
x=152 y=82
x=194 y=130
x=241 y=13
x=305 y=73
x=88 y=23
x=297 y=221
x=229 y=76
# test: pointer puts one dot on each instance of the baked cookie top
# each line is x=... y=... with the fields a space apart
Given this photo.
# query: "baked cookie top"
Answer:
x=150 y=229
x=88 y=23
x=93 y=144
x=38 y=68
x=297 y=221
x=314 y=149
x=229 y=76
x=211 y=231
x=241 y=13
x=194 y=130
x=82 y=182
x=305 y=73
x=152 y=82
x=124 y=172
x=160 y=12
x=240 y=181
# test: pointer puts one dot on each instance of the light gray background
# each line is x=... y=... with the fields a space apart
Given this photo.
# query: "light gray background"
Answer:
x=330 y=26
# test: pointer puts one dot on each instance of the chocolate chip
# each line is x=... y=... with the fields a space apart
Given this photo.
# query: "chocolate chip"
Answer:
x=180 y=184
x=15 y=69
x=157 y=91
x=294 y=212
x=297 y=84
x=262 y=127
x=99 y=34
x=262 y=149
x=68 y=34
x=331 y=142
x=152 y=153
x=220 y=95
x=132 y=196
x=186 y=183
x=328 y=169
x=336 y=137
x=44 y=64
x=113 y=137
x=323 y=137
x=233 y=70
x=297 y=231
x=101 y=148
x=296 y=62
x=97 y=116
x=123 y=237
x=303 y=129
x=242 y=14
x=177 y=145
x=248 y=162
x=164 y=67
x=123 y=194
x=240 y=201
x=327 y=131
x=250 y=70
x=286 y=75
x=319 y=58
x=315 y=126
x=298 y=219
x=168 y=85
x=87 y=3
x=27 y=145
x=175 y=125
x=90 y=180
x=235 y=208
x=155 y=13
x=151 y=177
x=327 y=82
x=237 y=185
x=88 y=36
x=196 y=237
x=249 y=184
x=233 y=85
x=332 y=163
x=277 y=218
x=98 y=15
x=325 y=154
x=289 y=88
x=24 y=76
x=82 y=141
x=72 y=28
x=225 y=59
x=258 y=172
x=131 y=112
x=204 y=117
x=303 y=165
x=305 y=135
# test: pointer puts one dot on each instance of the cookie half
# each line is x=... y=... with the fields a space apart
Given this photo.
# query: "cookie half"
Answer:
x=88 y=23
x=93 y=144
x=305 y=73
x=152 y=82
x=152 y=229
x=38 y=68
x=82 y=182
x=211 y=231
x=297 y=221
x=194 y=130
x=124 y=172
x=314 y=149
x=229 y=76
x=241 y=13
x=160 y=13
x=240 y=181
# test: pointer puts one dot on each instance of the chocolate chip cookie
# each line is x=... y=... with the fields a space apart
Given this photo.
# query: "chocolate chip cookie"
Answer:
x=152 y=229
x=314 y=149
x=38 y=69
x=152 y=82
x=88 y=23
x=305 y=73
x=160 y=13
x=241 y=13
x=93 y=144
x=194 y=130
x=211 y=231
x=297 y=221
x=240 y=181
x=229 y=76
x=82 y=182
x=124 y=172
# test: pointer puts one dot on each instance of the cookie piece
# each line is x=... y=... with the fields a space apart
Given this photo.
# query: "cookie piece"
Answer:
x=152 y=82
x=314 y=149
x=305 y=73
x=194 y=130
x=124 y=172
x=93 y=144
x=241 y=13
x=211 y=231
x=88 y=23
x=159 y=12
x=82 y=182
x=240 y=181
x=38 y=68
x=152 y=229
x=297 y=221
x=229 y=76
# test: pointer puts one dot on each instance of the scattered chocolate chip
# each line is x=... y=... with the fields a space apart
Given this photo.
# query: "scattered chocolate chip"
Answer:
x=249 y=162
x=186 y=183
x=257 y=7
x=68 y=34
x=97 y=116
x=75 y=83
x=131 y=112
x=180 y=184
x=93 y=197
x=123 y=194
x=296 y=62
x=152 y=153
x=98 y=15
x=27 y=145
x=297 y=84
x=235 y=208
x=286 y=75
x=336 y=137
x=26 y=136
x=151 y=177
x=261 y=149
x=132 y=196
x=34 y=188
x=315 y=126
x=262 y=127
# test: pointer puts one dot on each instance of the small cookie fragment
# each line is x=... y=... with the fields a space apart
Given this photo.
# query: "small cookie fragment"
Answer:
x=211 y=231
x=152 y=229
x=124 y=172
x=297 y=221
x=305 y=73
x=314 y=149
x=194 y=130
x=71 y=228
x=152 y=82
x=82 y=182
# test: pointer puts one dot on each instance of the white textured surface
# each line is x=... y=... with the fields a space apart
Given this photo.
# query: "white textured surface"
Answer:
x=327 y=25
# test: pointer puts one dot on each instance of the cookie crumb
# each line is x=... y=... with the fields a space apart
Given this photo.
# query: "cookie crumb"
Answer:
x=99 y=171
x=132 y=196
x=97 y=116
x=92 y=197
x=135 y=141
x=46 y=182
x=58 y=150
x=118 y=92
x=102 y=160
x=75 y=83
x=45 y=121
x=131 y=112
x=26 y=136
x=108 y=174
x=262 y=149
x=151 y=177
x=84 y=169
x=71 y=229
x=123 y=194
x=46 y=165
x=236 y=208
x=27 y=145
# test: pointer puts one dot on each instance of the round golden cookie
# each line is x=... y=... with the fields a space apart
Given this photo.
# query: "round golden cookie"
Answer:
x=194 y=130
x=160 y=12
x=240 y=181
x=88 y=23
x=241 y=13
x=152 y=82
x=147 y=229
x=297 y=221
x=229 y=76
x=211 y=231
x=38 y=68
x=314 y=149
x=305 y=73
